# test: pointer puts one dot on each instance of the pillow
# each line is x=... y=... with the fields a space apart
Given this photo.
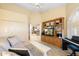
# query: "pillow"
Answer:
x=13 y=40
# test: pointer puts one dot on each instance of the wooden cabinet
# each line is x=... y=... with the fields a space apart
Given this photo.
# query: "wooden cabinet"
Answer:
x=58 y=42
x=43 y=38
x=51 y=30
x=52 y=40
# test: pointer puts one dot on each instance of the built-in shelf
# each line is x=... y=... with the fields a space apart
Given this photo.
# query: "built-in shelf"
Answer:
x=51 y=30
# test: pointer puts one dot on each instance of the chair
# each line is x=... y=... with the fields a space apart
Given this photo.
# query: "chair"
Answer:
x=74 y=49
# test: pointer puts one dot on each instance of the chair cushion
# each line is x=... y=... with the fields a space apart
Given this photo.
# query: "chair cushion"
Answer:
x=73 y=47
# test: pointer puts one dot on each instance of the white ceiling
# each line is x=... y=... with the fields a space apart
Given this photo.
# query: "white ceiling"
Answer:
x=43 y=6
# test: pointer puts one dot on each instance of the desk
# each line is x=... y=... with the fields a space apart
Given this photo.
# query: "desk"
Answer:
x=65 y=42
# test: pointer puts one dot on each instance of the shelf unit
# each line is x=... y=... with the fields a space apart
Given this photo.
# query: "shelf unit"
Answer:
x=57 y=26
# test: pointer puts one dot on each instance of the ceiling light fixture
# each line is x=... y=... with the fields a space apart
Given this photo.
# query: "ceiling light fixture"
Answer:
x=37 y=5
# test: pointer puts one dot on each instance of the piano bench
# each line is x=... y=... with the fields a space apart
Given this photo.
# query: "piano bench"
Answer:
x=74 y=49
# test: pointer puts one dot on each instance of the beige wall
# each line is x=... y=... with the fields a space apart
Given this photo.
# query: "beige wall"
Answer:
x=55 y=13
x=64 y=11
x=73 y=20
x=15 y=8
x=35 y=20
x=14 y=20
x=71 y=8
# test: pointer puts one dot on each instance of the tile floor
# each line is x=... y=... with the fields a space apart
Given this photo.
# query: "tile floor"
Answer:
x=55 y=51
